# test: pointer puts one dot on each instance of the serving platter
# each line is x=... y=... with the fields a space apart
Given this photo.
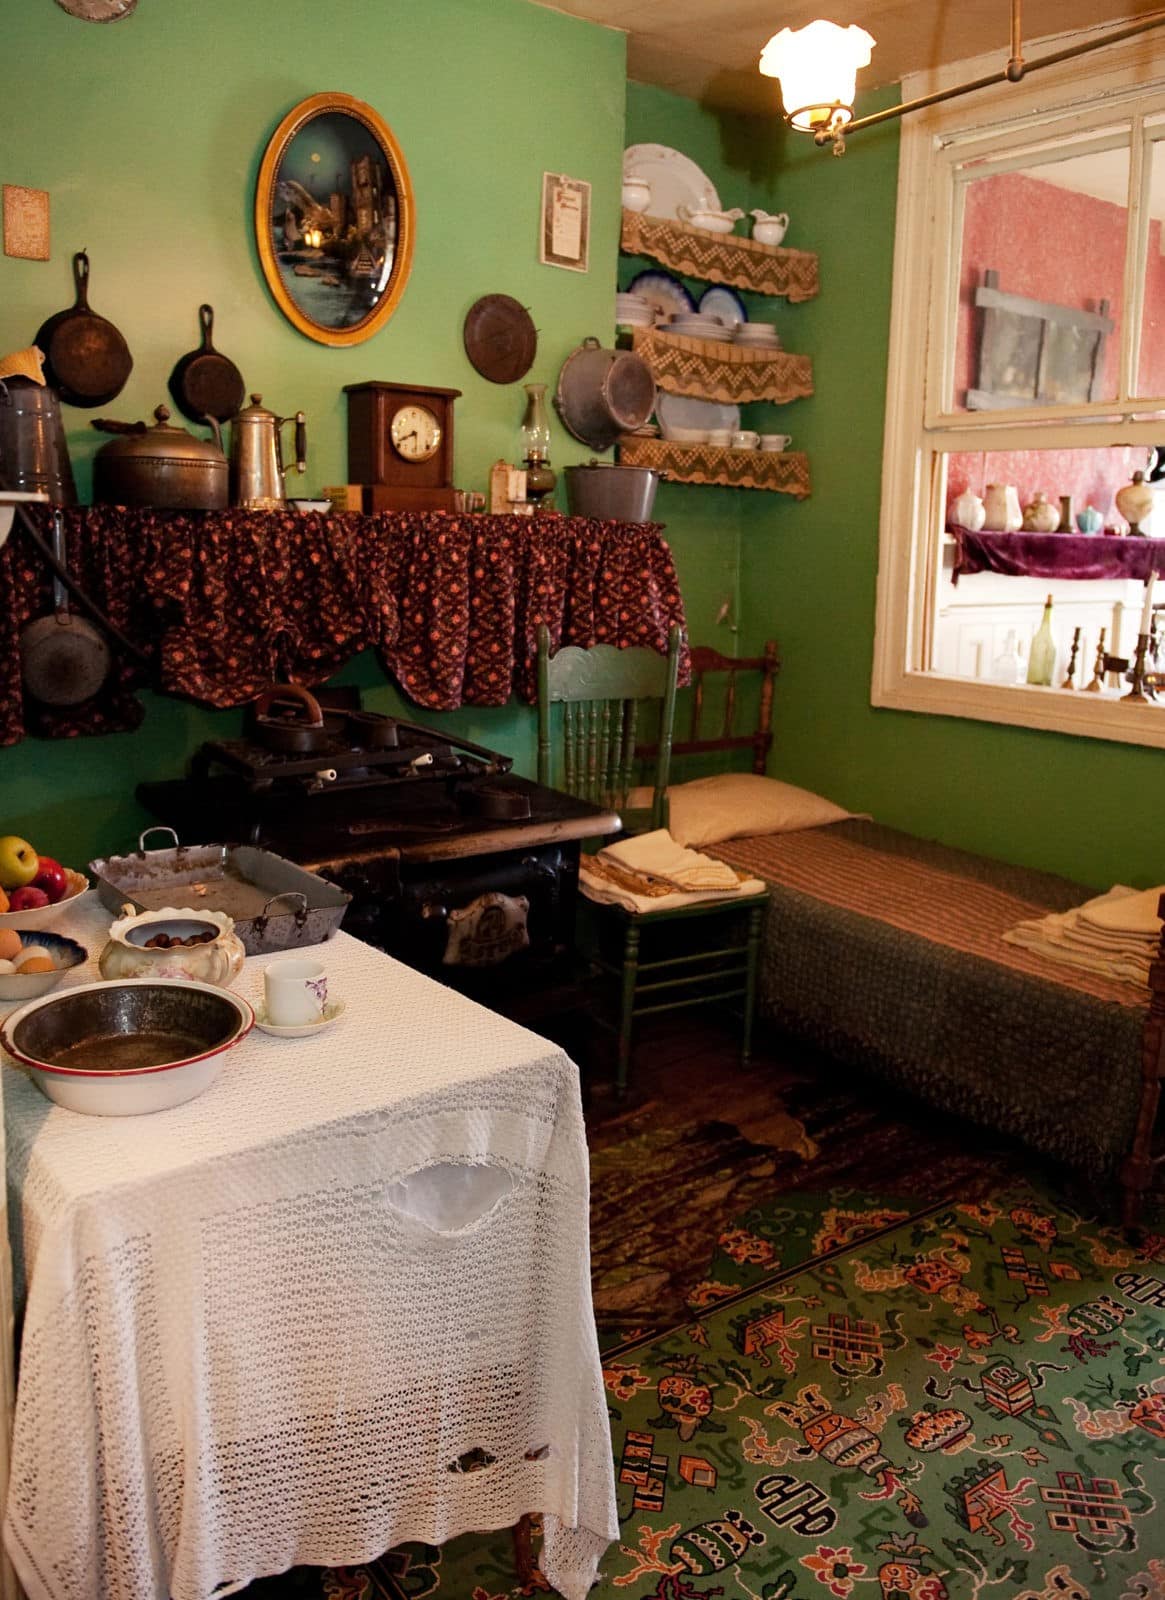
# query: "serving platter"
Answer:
x=686 y=414
x=675 y=180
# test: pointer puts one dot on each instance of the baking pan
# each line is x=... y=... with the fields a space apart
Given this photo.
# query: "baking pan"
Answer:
x=275 y=904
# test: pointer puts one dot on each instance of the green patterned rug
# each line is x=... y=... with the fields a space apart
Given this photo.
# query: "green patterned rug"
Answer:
x=966 y=1403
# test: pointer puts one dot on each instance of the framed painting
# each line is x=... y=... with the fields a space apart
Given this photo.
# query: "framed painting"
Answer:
x=334 y=219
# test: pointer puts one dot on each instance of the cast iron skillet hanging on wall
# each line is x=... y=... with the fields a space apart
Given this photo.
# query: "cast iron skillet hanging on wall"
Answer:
x=205 y=383
x=86 y=359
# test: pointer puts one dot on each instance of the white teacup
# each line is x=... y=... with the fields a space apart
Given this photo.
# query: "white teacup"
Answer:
x=775 y=441
x=296 y=990
x=745 y=439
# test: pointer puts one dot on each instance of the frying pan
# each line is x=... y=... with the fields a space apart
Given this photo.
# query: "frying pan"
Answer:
x=64 y=659
x=86 y=359
x=205 y=383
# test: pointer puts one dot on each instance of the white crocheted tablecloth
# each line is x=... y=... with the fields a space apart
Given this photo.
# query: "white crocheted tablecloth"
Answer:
x=263 y=1327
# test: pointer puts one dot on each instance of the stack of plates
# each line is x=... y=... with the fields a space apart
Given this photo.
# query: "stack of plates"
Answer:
x=757 y=335
x=694 y=326
x=633 y=311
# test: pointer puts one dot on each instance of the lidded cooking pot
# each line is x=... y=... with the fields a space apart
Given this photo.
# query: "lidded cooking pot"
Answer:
x=603 y=393
x=164 y=466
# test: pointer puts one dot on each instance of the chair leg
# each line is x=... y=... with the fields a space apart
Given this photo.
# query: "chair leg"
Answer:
x=524 y=1562
x=627 y=1005
x=755 y=918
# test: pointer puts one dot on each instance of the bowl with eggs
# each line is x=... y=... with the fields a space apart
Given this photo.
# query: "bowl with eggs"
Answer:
x=32 y=961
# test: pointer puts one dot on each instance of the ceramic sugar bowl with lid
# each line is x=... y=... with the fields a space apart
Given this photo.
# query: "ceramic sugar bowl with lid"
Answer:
x=202 y=945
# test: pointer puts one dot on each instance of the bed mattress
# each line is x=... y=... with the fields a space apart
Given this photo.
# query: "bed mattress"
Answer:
x=886 y=951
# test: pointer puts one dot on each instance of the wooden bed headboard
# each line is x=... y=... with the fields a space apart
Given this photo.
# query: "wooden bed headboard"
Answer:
x=719 y=674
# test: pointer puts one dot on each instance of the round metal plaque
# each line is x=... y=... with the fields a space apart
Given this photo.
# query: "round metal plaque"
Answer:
x=501 y=340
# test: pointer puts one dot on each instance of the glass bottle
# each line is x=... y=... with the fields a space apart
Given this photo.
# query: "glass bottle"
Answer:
x=1041 y=664
x=540 y=478
x=1008 y=666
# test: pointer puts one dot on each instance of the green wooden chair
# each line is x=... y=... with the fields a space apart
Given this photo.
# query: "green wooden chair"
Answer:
x=666 y=960
x=602 y=692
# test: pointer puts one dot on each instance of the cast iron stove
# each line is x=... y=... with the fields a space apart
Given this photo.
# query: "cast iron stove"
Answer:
x=455 y=864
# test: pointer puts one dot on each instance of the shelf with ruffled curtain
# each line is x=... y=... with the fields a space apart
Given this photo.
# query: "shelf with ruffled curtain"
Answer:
x=785 y=472
x=714 y=369
x=226 y=602
x=721 y=257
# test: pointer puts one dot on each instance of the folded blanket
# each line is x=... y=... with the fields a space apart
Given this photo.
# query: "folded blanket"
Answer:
x=1128 y=915
x=659 y=855
x=606 y=882
x=1066 y=936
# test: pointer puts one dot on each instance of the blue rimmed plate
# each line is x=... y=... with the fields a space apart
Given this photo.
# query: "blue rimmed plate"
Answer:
x=723 y=303
x=666 y=295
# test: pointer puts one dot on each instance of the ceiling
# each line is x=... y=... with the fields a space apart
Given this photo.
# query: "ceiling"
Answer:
x=708 y=49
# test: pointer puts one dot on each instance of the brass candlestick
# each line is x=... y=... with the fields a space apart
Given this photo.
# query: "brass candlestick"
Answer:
x=1097 y=667
x=1137 y=692
x=1068 y=682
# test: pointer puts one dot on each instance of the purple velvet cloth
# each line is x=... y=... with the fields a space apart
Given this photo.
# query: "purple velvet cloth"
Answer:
x=1056 y=555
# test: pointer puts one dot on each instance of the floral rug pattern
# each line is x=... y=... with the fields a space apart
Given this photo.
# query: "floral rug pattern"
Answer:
x=965 y=1402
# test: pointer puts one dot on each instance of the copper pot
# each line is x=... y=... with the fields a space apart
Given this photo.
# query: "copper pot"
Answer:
x=164 y=466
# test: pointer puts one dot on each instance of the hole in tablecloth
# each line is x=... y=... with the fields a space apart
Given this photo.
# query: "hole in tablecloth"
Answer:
x=538 y=1453
x=475 y=1460
x=451 y=1196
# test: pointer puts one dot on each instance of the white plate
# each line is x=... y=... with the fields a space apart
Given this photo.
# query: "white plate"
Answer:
x=723 y=303
x=333 y=1011
x=684 y=411
x=675 y=180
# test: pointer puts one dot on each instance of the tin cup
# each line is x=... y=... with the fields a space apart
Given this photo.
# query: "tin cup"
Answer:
x=745 y=439
x=296 y=991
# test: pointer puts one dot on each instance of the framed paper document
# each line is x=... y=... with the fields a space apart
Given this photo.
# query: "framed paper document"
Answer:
x=565 y=235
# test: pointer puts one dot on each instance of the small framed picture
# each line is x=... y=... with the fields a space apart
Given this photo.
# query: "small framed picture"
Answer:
x=565 y=236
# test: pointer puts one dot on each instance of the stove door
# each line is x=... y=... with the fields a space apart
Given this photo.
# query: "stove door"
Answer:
x=479 y=920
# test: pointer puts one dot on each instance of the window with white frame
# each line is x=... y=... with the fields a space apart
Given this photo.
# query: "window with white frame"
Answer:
x=1028 y=354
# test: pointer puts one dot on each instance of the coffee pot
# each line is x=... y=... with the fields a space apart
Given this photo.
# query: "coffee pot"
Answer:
x=257 y=470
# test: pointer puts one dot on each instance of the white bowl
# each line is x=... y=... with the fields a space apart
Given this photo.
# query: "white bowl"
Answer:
x=128 y=1091
x=44 y=916
x=322 y=507
x=17 y=987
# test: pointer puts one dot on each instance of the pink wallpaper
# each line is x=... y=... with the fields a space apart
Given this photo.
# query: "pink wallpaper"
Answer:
x=1068 y=248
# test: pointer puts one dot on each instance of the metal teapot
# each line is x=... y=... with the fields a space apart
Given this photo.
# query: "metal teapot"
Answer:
x=257 y=469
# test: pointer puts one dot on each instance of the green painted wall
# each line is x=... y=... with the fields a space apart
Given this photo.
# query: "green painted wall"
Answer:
x=1086 y=808
x=148 y=134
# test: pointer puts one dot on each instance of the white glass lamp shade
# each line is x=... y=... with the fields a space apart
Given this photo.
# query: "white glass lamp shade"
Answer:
x=817 y=66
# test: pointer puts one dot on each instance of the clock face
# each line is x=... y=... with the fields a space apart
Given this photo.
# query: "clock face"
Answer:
x=415 y=433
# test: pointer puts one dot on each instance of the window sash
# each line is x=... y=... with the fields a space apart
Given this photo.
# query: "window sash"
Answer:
x=1083 y=100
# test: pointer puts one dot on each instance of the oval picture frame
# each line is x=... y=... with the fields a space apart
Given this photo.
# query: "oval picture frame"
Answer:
x=335 y=219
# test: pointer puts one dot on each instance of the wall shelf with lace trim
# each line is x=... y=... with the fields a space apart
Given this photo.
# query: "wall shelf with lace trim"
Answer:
x=784 y=472
x=718 y=370
x=721 y=258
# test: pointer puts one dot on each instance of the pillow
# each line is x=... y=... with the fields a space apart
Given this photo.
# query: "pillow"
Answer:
x=735 y=805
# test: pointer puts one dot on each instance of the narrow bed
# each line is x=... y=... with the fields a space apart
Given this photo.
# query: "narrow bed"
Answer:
x=887 y=951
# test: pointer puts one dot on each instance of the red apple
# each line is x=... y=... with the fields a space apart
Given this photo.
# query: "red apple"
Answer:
x=27 y=899
x=52 y=878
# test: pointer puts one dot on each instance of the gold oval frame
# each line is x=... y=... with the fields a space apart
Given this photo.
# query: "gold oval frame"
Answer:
x=293 y=123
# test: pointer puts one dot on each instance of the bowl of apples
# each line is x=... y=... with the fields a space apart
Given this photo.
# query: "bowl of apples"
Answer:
x=32 y=961
x=34 y=889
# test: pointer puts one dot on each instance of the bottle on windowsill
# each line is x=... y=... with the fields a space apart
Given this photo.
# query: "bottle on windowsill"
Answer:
x=1009 y=666
x=1041 y=665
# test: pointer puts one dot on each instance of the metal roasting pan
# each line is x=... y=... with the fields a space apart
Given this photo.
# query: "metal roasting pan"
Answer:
x=275 y=904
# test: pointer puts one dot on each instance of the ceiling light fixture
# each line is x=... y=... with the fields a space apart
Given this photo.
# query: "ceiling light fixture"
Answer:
x=817 y=67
